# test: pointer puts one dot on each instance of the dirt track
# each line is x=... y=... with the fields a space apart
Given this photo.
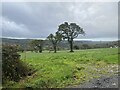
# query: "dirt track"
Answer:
x=103 y=82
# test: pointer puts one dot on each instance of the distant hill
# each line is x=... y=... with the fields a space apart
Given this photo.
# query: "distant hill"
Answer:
x=63 y=44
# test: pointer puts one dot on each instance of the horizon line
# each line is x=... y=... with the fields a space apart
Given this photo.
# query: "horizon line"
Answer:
x=74 y=39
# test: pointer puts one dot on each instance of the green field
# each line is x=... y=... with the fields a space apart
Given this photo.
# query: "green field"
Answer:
x=63 y=69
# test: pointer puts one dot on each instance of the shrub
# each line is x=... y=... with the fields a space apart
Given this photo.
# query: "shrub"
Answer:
x=12 y=67
x=86 y=46
x=76 y=47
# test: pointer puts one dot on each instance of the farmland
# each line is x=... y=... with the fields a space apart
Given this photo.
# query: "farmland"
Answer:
x=63 y=69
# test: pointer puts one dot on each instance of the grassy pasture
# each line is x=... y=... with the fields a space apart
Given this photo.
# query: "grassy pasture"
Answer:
x=62 y=69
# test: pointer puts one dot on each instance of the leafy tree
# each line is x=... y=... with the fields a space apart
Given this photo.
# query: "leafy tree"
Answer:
x=37 y=45
x=55 y=39
x=69 y=32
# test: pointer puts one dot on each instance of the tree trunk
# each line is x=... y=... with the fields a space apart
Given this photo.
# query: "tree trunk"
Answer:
x=40 y=49
x=71 y=45
x=55 y=49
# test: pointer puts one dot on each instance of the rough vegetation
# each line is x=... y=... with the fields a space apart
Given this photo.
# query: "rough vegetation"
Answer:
x=65 y=69
x=13 y=69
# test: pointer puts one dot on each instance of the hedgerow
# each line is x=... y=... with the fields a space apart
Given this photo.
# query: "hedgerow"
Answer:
x=13 y=69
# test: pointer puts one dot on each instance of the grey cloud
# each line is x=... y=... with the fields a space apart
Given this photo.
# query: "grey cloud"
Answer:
x=12 y=29
x=99 y=20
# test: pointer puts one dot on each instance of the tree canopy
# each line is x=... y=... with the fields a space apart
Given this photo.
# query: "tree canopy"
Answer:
x=70 y=31
x=55 y=39
x=37 y=45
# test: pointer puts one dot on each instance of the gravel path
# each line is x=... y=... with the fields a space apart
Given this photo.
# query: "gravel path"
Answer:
x=103 y=82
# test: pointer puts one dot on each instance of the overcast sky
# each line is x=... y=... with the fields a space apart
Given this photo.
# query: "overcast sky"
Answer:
x=37 y=19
